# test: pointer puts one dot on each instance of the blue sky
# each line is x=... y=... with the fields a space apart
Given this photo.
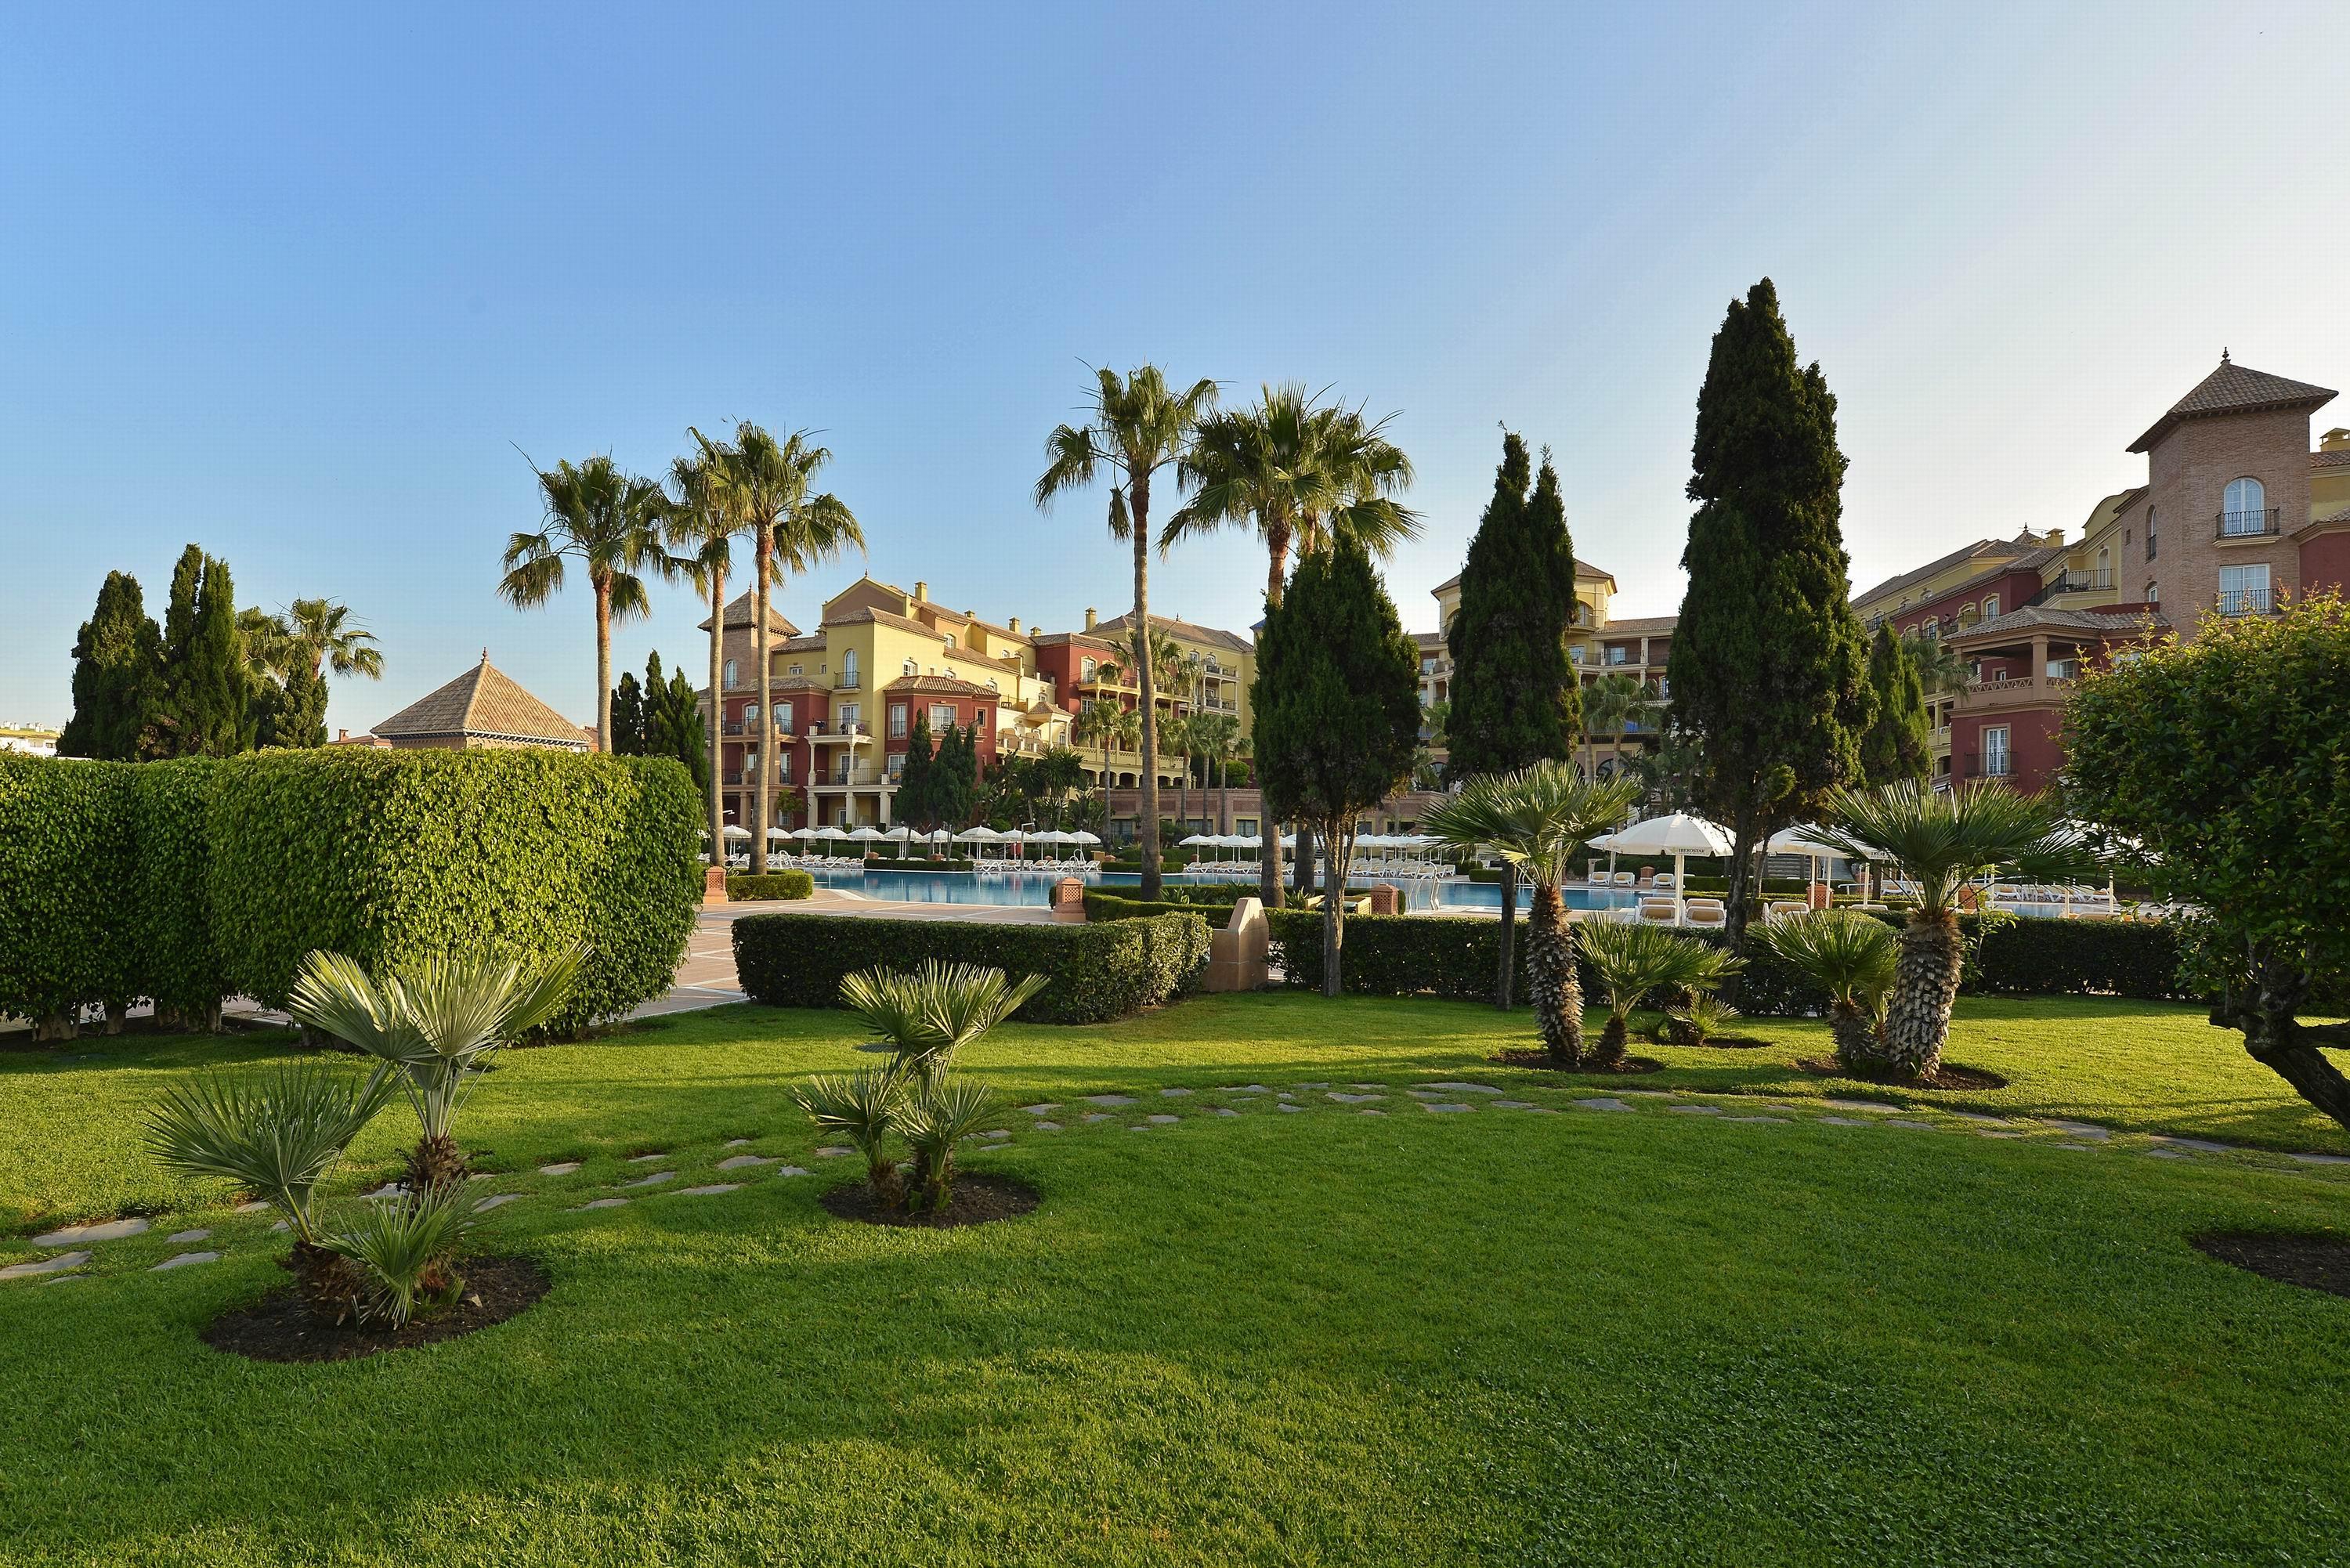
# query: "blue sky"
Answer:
x=296 y=283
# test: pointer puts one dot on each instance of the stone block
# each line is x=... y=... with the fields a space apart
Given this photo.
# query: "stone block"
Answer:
x=713 y=885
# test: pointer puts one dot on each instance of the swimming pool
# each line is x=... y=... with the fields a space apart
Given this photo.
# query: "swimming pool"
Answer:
x=1035 y=887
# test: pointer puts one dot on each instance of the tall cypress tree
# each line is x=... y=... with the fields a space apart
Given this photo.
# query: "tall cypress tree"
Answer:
x=913 y=800
x=1899 y=745
x=114 y=678
x=293 y=714
x=220 y=678
x=682 y=727
x=1769 y=668
x=628 y=736
x=1515 y=697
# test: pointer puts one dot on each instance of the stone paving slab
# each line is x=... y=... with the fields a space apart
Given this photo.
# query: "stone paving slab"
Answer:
x=186 y=1260
x=602 y=1203
x=1874 y=1107
x=181 y=1237
x=563 y=1168
x=1452 y=1088
x=656 y=1178
x=500 y=1202
x=1442 y=1105
x=1048 y=1126
x=57 y=1264
x=1175 y=1094
x=1694 y=1110
x=1602 y=1102
x=711 y=1190
x=1109 y=1099
x=1162 y=1120
x=103 y=1230
x=744 y=1161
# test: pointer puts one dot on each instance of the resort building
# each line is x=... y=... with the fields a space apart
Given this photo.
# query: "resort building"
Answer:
x=482 y=710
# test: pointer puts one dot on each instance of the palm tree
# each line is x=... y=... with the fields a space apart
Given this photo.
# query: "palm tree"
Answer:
x=325 y=627
x=1216 y=737
x=1608 y=704
x=610 y=521
x=1097 y=721
x=765 y=486
x=1299 y=472
x=702 y=528
x=1849 y=955
x=1940 y=668
x=1630 y=962
x=1175 y=735
x=1537 y=819
x=1940 y=840
x=1137 y=426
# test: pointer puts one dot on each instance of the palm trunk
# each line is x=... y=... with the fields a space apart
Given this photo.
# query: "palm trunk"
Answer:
x=1925 y=981
x=1304 y=856
x=759 y=806
x=1551 y=977
x=1268 y=885
x=1858 y=1050
x=1334 y=908
x=603 y=664
x=1138 y=498
x=1503 y=980
x=717 y=719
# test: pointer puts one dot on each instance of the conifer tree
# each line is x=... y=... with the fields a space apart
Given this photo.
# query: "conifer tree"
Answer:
x=205 y=707
x=913 y=800
x=1769 y=670
x=292 y=713
x=1515 y=697
x=683 y=729
x=115 y=674
x=628 y=736
x=1899 y=745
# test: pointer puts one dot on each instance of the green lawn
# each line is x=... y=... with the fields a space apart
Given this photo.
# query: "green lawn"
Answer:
x=1497 y=1336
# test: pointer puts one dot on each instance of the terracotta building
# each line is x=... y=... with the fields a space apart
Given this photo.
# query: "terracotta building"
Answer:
x=481 y=710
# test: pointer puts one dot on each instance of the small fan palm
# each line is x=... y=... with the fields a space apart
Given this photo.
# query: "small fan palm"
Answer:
x=278 y=1136
x=865 y=1109
x=1703 y=1018
x=1849 y=955
x=1537 y=819
x=932 y=1013
x=438 y=1023
x=1633 y=961
x=1941 y=841
x=946 y=1111
x=403 y=1250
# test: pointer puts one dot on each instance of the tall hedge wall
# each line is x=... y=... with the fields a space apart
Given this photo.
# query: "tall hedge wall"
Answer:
x=393 y=856
x=1098 y=973
x=175 y=960
x=65 y=869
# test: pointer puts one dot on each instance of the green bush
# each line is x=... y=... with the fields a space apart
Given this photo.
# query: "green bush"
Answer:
x=393 y=855
x=792 y=883
x=1213 y=900
x=65 y=870
x=174 y=962
x=1098 y=973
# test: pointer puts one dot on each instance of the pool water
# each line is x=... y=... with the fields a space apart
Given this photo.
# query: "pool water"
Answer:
x=1035 y=887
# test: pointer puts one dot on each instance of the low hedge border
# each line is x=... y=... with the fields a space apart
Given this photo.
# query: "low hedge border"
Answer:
x=792 y=883
x=1098 y=973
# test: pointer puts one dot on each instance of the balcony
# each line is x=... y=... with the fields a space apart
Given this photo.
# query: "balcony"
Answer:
x=732 y=776
x=1988 y=766
x=2019 y=692
x=825 y=731
x=861 y=777
x=2249 y=524
x=733 y=727
x=2079 y=582
x=2244 y=601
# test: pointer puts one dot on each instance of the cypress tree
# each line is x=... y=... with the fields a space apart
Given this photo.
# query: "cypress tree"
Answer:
x=1899 y=745
x=628 y=736
x=205 y=707
x=681 y=716
x=293 y=714
x=114 y=678
x=1515 y=697
x=1769 y=668
x=913 y=801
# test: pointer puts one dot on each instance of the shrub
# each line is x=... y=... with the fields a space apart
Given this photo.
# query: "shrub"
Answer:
x=932 y=1013
x=1097 y=971
x=863 y=1107
x=939 y=1113
x=65 y=868
x=774 y=885
x=403 y=1250
x=396 y=858
x=175 y=960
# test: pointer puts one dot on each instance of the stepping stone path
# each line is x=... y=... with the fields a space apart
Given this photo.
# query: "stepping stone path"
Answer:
x=833 y=1152
x=1604 y=1103
x=183 y=1236
x=656 y=1178
x=183 y=1260
x=1371 y=1113
x=389 y=1189
x=997 y=1132
x=1871 y=1107
x=1347 y=1099
x=715 y=1187
x=1224 y=1111
x=1242 y=1089
x=2202 y=1144
x=2089 y=1130
x=1925 y=1127
x=565 y=1169
x=1162 y=1121
x=1846 y=1122
x=2322 y=1158
x=1174 y=1094
x=254 y=1207
x=1990 y=1134
x=1048 y=1127
x=1314 y=1086
x=2168 y=1154
x=601 y=1203
x=1366 y=1085
x=1109 y=1099
x=736 y=1142
x=1516 y=1105
x=56 y=1265
x=1441 y=1105
x=1285 y=1105
x=743 y=1162
x=645 y=1158
x=1979 y=1117
x=503 y=1199
x=1695 y=1110
x=105 y=1230
x=1042 y=1110
x=1780 y=1120
x=1092 y=1117
x=1464 y=1089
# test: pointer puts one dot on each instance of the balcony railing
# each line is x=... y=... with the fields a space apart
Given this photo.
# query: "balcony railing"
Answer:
x=1989 y=765
x=2245 y=602
x=2249 y=525
x=846 y=682
x=733 y=727
x=2079 y=582
x=733 y=775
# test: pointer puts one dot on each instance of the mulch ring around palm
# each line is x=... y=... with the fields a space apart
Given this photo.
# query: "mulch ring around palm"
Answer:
x=279 y=1327
x=972 y=1200
x=1948 y=1076
x=2316 y=1263
x=1529 y=1056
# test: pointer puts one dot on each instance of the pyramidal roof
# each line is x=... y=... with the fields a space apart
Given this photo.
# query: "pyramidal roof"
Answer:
x=2234 y=389
x=484 y=702
x=744 y=612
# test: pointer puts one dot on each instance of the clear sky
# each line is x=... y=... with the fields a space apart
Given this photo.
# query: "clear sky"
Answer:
x=296 y=283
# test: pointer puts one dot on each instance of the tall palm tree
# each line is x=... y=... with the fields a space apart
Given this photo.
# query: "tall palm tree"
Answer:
x=325 y=629
x=1137 y=426
x=1537 y=819
x=1175 y=735
x=1298 y=471
x=1608 y=704
x=1125 y=734
x=702 y=529
x=610 y=521
x=765 y=483
x=1216 y=737
x=1940 y=840
x=1096 y=721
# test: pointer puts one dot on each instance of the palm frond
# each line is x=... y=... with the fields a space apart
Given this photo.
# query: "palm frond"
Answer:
x=1845 y=953
x=1633 y=961
x=402 y=1246
x=1940 y=839
x=276 y=1136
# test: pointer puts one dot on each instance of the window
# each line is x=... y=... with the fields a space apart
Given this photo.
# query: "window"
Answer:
x=941 y=715
x=798 y=669
x=848 y=716
x=1932 y=627
x=733 y=678
x=1245 y=826
x=2150 y=598
x=896 y=721
x=897 y=766
x=1427 y=667
x=2245 y=508
x=910 y=668
x=2244 y=590
x=1991 y=607
x=2150 y=533
x=1574 y=654
x=783 y=718
x=949 y=639
x=1091 y=665
x=1997 y=764
x=992 y=686
x=848 y=669
x=784 y=766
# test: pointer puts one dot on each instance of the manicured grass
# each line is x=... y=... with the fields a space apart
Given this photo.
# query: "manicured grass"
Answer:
x=1496 y=1336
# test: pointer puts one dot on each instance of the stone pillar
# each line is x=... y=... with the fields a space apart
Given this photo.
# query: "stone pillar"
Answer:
x=713 y=885
x=1386 y=898
x=1237 y=954
x=1069 y=900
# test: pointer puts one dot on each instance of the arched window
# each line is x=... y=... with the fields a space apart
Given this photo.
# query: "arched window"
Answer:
x=1991 y=607
x=2245 y=508
x=2105 y=569
x=848 y=668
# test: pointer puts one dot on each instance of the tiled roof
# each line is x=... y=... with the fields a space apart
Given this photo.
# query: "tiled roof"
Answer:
x=2338 y=458
x=1583 y=568
x=2234 y=389
x=485 y=702
x=742 y=612
x=2328 y=521
x=1428 y=638
x=2109 y=622
x=1645 y=626
x=1182 y=628
x=941 y=686
x=1091 y=639
x=1936 y=568
x=814 y=642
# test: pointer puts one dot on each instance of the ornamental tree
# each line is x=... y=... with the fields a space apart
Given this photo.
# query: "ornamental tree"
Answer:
x=1900 y=743
x=115 y=674
x=1337 y=713
x=2228 y=759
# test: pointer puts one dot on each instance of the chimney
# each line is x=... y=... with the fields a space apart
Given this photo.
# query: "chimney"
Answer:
x=1089 y=618
x=921 y=593
x=2335 y=440
x=2055 y=536
x=342 y=735
x=1014 y=628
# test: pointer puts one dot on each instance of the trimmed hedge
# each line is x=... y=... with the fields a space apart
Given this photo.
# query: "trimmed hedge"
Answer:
x=175 y=961
x=1098 y=973
x=65 y=876
x=391 y=856
x=1213 y=900
x=791 y=884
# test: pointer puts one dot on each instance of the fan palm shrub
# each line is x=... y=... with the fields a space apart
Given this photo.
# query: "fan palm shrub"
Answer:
x=402 y=1253
x=930 y=1013
x=1850 y=956
x=1941 y=841
x=865 y=1109
x=940 y=1114
x=437 y=1024
x=1703 y=1017
x=1630 y=962
x=1537 y=819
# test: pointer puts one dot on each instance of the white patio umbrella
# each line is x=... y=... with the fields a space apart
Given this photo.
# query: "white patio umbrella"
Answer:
x=868 y=836
x=733 y=832
x=774 y=832
x=1679 y=835
x=1082 y=836
x=1804 y=839
x=803 y=834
